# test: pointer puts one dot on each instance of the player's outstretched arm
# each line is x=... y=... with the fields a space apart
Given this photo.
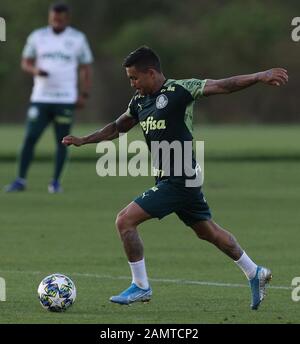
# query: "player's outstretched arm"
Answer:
x=274 y=76
x=111 y=131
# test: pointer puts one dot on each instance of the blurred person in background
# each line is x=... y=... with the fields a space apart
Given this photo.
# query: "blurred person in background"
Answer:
x=55 y=56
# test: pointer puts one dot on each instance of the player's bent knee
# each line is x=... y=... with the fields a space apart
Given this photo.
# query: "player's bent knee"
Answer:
x=122 y=222
x=130 y=217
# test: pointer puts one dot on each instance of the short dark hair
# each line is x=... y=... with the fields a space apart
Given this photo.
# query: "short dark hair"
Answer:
x=143 y=58
x=60 y=7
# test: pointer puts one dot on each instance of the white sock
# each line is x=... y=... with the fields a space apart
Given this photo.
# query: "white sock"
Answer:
x=139 y=274
x=21 y=180
x=247 y=266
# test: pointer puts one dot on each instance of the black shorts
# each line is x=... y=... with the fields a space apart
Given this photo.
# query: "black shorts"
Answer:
x=167 y=197
x=40 y=115
x=44 y=113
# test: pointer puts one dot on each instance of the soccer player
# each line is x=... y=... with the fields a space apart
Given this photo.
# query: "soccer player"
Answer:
x=54 y=55
x=164 y=109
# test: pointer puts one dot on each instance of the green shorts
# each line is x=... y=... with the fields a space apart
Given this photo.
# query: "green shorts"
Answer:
x=168 y=197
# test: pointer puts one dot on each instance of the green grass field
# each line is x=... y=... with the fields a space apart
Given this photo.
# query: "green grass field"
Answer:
x=252 y=186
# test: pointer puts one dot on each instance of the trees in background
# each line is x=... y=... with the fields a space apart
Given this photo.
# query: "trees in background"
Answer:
x=194 y=39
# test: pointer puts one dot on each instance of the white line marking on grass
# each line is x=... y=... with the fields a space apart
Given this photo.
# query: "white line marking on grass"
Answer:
x=158 y=280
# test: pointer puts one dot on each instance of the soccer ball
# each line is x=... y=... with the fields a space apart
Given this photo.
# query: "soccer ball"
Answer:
x=57 y=292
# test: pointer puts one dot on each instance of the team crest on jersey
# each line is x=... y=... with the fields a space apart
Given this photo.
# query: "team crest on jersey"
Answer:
x=68 y=43
x=161 y=101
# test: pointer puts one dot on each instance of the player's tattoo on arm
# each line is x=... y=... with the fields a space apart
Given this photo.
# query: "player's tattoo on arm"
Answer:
x=274 y=76
x=109 y=132
x=236 y=83
x=228 y=85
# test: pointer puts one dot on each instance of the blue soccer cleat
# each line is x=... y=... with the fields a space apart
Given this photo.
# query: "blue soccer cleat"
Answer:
x=54 y=187
x=132 y=294
x=16 y=186
x=258 y=286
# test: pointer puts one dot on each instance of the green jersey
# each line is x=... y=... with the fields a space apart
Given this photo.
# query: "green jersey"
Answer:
x=166 y=118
